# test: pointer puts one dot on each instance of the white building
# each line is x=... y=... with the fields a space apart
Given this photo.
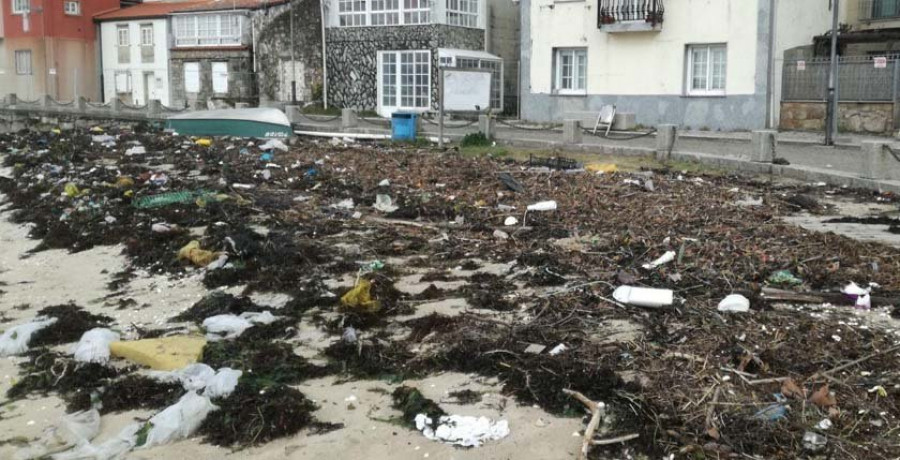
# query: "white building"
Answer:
x=134 y=45
x=702 y=64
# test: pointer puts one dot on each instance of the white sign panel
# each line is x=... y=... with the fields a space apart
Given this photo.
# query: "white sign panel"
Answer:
x=801 y=65
x=466 y=90
x=880 y=62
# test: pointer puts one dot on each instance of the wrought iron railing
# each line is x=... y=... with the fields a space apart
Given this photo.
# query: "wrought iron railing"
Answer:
x=613 y=11
x=879 y=9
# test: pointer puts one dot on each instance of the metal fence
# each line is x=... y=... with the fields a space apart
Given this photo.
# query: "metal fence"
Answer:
x=860 y=79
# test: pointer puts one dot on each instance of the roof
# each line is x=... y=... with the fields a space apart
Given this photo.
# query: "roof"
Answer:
x=218 y=5
x=148 y=10
x=475 y=54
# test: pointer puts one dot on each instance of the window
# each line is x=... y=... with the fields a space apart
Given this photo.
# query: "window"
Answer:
x=570 y=71
x=192 y=77
x=416 y=11
x=122 y=38
x=385 y=12
x=405 y=79
x=220 y=77
x=146 y=34
x=23 y=62
x=462 y=13
x=352 y=12
x=21 y=6
x=72 y=7
x=123 y=42
x=123 y=82
x=706 y=70
x=207 y=30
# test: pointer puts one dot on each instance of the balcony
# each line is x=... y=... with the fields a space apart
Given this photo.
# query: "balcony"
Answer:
x=874 y=10
x=631 y=15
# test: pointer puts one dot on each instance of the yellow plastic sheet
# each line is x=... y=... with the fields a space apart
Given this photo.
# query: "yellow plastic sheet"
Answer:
x=360 y=298
x=601 y=167
x=197 y=256
x=203 y=142
x=163 y=354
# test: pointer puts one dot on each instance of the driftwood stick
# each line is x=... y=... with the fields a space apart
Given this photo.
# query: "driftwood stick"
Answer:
x=858 y=361
x=616 y=440
x=591 y=426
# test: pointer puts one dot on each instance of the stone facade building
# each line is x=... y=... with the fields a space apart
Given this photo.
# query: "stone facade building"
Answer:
x=289 y=69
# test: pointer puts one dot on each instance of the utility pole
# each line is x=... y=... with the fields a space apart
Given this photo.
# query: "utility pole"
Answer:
x=832 y=105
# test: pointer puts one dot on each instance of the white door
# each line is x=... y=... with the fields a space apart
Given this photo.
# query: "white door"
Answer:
x=404 y=81
x=292 y=72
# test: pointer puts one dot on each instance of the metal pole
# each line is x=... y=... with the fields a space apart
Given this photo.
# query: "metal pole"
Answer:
x=293 y=61
x=441 y=108
x=832 y=106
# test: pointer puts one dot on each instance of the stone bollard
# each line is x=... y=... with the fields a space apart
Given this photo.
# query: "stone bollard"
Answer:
x=242 y=105
x=47 y=101
x=12 y=99
x=154 y=108
x=666 y=137
x=81 y=104
x=876 y=160
x=486 y=125
x=293 y=113
x=349 y=119
x=763 y=143
x=115 y=105
x=572 y=133
x=201 y=105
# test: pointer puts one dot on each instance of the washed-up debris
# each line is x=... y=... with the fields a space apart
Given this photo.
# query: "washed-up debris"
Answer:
x=543 y=206
x=669 y=256
x=460 y=430
x=384 y=204
x=230 y=326
x=344 y=204
x=94 y=345
x=784 y=277
x=644 y=297
x=136 y=150
x=734 y=303
x=813 y=441
x=165 y=354
x=197 y=256
x=14 y=340
x=360 y=298
x=604 y=168
x=510 y=182
x=510 y=221
x=72 y=430
x=535 y=348
x=200 y=377
x=274 y=144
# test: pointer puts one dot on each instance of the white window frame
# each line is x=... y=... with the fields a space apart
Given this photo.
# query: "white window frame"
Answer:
x=188 y=31
x=72 y=7
x=219 y=86
x=578 y=84
x=462 y=13
x=416 y=82
x=21 y=6
x=353 y=13
x=147 y=34
x=192 y=88
x=709 y=88
x=384 y=13
x=123 y=77
x=123 y=39
x=23 y=62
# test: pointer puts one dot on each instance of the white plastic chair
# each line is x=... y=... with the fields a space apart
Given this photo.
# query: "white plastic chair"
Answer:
x=605 y=117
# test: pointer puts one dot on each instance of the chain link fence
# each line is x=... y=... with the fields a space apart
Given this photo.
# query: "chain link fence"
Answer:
x=860 y=79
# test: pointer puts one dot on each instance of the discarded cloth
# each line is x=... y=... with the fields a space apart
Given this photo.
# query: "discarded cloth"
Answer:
x=197 y=256
x=360 y=298
x=94 y=345
x=15 y=340
x=230 y=326
x=462 y=430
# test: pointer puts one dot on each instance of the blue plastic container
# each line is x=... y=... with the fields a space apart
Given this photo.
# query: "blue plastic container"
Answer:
x=403 y=126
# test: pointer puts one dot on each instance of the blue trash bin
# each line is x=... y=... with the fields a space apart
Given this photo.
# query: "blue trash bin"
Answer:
x=403 y=126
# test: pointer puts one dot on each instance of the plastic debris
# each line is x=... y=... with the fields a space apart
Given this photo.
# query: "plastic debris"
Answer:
x=644 y=297
x=73 y=429
x=267 y=156
x=231 y=326
x=71 y=190
x=814 y=441
x=535 y=348
x=735 y=303
x=824 y=424
x=203 y=142
x=165 y=354
x=14 y=340
x=360 y=298
x=510 y=182
x=274 y=144
x=669 y=256
x=198 y=376
x=602 y=168
x=510 y=221
x=136 y=150
x=543 y=206
x=163 y=228
x=784 y=277
x=501 y=235
x=197 y=256
x=178 y=421
x=384 y=183
x=771 y=413
x=462 y=430
x=344 y=204
x=94 y=345
x=124 y=182
x=349 y=335
x=384 y=203
x=165 y=199
x=558 y=349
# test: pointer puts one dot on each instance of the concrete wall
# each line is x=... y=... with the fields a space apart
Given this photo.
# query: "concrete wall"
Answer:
x=241 y=81
x=136 y=67
x=853 y=117
x=273 y=51
x=352 y=57
x=54 y=64
x=502 y=39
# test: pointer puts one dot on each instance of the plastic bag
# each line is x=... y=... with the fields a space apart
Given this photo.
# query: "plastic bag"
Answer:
x=274 y=144
x=462 y=430
x=734 y=303
x=15 y=340
x=73 y=430
x=178 y=421
x=94 y=345
x=662 y=260
x=360 y=298
x=223 y=383
x=230 y=326
x=197 y=256
x=384 y=203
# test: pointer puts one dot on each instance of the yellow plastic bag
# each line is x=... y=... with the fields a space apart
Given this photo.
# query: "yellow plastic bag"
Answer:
x=203 y=142
x=601 y=167
x=197 y=256
x=163 y=354
x=71 y=190
x=360 y=298
x=124 y=182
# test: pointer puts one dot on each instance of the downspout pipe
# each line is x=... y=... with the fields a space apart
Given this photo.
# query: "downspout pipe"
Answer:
x=770 y=75
x=324 y=57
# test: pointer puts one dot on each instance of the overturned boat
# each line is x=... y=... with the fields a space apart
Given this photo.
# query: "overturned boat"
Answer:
x=257 y=122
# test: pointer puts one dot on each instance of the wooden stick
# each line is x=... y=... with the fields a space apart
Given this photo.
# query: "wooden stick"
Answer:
x=606 y=442
x=858 y=361
x=591 y=426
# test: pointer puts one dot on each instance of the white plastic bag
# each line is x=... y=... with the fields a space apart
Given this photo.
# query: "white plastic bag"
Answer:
x=193 y=377
x=94 y=345
x=223 y=383
x=178 y=421
x=735 y=303
x=73 y=430
x=15 y=340
x=230 y=326
x=109 y=450
x=463 y=430
x=384 y=203
x=274 y=144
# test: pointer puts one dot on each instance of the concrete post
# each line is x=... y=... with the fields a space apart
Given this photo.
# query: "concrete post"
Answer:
x=46 y=101
x=81 y=104
x=764 y=143
x=876 y=160
x=666 y=137
x=486 y=125
x=12 y=99
x=201 y=105
x=293 y=113
x=572 y=133
x=349 y=119
x=241 y=105
x=154 y=108
x=115 y=105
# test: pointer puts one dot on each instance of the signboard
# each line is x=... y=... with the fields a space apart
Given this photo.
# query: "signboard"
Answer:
x=52 y=71
x=467 y=90
x=801 y=65
x=880 y=62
